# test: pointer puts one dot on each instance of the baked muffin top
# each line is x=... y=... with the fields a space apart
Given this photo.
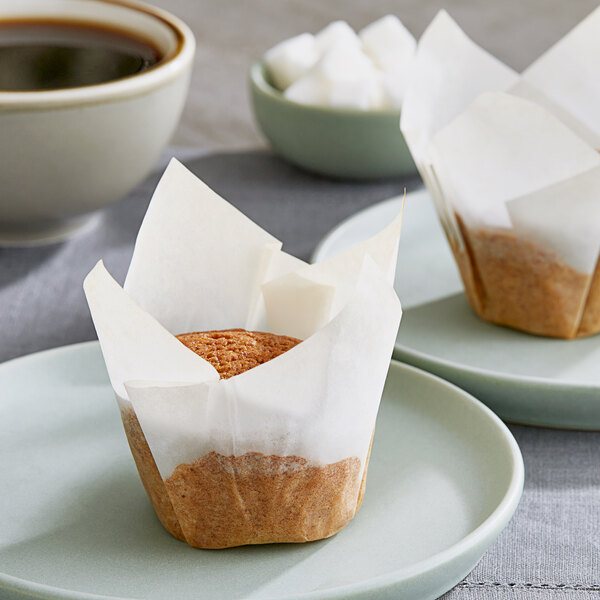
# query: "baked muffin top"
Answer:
x=233 y=351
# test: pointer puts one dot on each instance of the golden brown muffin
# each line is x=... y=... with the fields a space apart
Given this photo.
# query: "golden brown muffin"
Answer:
x=221 y=501
x=233 y=351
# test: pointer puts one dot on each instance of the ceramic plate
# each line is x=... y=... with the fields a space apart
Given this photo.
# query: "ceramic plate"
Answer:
x=445 y=477
x=523 y=378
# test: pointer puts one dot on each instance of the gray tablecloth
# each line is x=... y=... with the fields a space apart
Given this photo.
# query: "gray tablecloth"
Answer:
x=551 y=548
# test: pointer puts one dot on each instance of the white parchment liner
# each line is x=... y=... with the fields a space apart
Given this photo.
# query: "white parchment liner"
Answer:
x=497 y=160
x=199 y=264
x=501 y=159
x=567 y=79
x=449 y=72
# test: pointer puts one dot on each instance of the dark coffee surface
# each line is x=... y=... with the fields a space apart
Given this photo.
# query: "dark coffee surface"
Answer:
x=45 y=55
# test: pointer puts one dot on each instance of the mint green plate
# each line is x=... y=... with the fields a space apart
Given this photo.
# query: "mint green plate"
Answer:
x=338 y=142
x=446 y=476
x=523 y=378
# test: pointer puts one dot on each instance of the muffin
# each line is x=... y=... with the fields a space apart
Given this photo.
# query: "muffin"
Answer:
x=240 y=436
x=512 y=164
x=528 y=252
x=223 y=501
x=517 y=194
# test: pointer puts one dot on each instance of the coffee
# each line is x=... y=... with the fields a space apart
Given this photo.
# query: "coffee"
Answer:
x=50 y=55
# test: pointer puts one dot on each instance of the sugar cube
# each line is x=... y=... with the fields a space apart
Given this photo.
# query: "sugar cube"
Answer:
x=309 y=89
x=349 y=76
x=345 y=61
x=291 y=59
x=389 y=44
x=335 y=33
x=392 y=90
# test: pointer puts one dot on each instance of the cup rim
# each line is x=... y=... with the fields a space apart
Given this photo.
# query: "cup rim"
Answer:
x=261 y=83
x=134 y=85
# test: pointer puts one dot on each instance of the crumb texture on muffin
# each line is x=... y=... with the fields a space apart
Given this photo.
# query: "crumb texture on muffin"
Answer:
x=516 y=282
x=223 y=501
x=233 y=351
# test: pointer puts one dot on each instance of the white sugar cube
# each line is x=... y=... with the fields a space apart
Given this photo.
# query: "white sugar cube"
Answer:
x=344 y=62
x=349 y=75
x=291 y=59
x=359 y=94
x=389 y=44
x=348 y=94
x=336 y=33
x=392 y=90
x=345 y=78
x=310 y=89
x=378 y=97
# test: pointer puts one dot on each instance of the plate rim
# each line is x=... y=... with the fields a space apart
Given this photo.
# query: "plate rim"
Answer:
x=491 y=527
x=497 y=376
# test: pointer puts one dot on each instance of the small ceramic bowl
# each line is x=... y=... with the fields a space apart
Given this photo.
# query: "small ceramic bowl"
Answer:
x=337 y=142
x=65 y=153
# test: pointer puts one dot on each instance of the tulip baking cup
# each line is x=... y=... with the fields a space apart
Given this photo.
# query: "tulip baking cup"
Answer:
x=512 y=165
x=278 y=453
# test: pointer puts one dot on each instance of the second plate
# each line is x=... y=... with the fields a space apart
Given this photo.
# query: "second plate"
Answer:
x=523 y=378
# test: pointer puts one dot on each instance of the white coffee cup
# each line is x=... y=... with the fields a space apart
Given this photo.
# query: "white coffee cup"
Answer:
x=66 y=153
